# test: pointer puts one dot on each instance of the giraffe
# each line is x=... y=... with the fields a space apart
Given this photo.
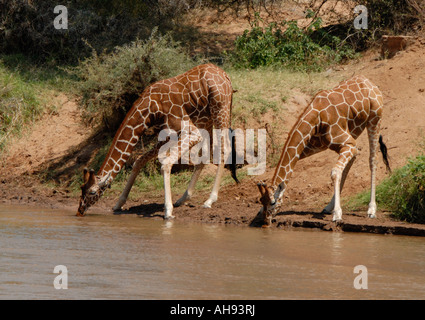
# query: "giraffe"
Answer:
x=333 y=120
x=201 y=98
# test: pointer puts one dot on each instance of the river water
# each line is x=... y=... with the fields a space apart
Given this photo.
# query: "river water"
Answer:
x=129 y=257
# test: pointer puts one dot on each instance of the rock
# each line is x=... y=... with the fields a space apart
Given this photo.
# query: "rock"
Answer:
x=393 y=44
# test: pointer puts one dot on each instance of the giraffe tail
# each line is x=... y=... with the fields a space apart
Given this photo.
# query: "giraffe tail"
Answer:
x=233 y=165
x=384 y=152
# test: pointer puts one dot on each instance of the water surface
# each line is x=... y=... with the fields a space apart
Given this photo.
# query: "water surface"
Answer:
x=129 y=257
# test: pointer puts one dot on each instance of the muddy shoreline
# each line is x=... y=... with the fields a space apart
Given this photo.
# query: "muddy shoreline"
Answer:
x=231 y=209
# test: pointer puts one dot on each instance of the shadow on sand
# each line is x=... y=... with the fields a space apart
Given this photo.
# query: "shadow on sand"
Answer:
x=149 y=210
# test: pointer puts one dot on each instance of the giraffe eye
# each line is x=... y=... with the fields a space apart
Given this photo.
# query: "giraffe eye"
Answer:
x=92 y=193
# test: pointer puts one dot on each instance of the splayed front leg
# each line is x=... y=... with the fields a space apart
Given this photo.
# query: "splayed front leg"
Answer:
x=190 y=189
x=371 y=212
x=120 y=203
x=138 y=165
x=168 y=203
x=214 y=193
x=330 y=207
x=347 y=153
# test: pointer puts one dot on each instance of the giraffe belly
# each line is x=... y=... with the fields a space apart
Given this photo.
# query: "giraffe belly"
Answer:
x=356 y=127
x=314 y=146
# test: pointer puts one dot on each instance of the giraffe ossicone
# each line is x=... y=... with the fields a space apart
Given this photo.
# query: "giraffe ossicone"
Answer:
x=200 y=98
x=333 y=120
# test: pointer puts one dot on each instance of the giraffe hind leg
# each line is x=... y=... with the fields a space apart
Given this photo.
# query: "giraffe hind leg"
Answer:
x=373 y=132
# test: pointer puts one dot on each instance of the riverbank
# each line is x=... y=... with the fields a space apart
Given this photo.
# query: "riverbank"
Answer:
x=237 y=205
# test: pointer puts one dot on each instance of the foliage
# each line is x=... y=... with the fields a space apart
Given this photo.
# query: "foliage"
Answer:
x=27 y=26
x=19 y=104
x=395 y=16
x=110 y=83
x=403 y=192
x=288 y=45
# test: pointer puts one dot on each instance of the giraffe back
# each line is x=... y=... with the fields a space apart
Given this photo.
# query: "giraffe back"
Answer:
x=202 y=95
x=348 y=108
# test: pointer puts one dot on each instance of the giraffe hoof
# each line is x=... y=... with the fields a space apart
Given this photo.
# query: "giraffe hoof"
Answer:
x=371 y=212
x=169 y=217
x=207 y=204
x=179 y=203
x=337 y=219
x=325 y=211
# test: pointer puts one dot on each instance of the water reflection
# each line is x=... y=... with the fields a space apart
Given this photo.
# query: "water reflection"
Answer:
x=125 y=257
x=337 y=246
x=167 y=227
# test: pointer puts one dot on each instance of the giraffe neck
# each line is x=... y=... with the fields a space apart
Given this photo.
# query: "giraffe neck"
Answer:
x=123 y=144
x=298 y=139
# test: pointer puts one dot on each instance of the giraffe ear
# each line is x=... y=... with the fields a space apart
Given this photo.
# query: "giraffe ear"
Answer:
x=86 y=175
x=92 y=178
x=260 y=187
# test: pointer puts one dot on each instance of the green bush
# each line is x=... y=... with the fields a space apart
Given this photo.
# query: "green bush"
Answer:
x=19 y=104
x=288 y=45
x=404 y=191
x=394 y=17
x=27 y=26
x=111 y=82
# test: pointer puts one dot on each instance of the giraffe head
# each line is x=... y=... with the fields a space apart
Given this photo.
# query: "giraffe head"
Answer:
x=268 y=202
x=92 y=189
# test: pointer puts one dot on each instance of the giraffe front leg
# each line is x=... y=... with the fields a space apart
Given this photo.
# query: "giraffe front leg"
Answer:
x=214 y=193
x=184 y=145
x=188 y=194
x=219 y=158
x=168 y=203
x=124 y=195
x=330 y=207
x=336 y=179
x=346 y=157
x=138 y=165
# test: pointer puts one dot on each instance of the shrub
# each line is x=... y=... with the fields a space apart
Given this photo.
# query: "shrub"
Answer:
x=288 y=45
x=19 y=104
x=394 y=17
x=111 y=82
x=404 y=191
x=27 y=26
